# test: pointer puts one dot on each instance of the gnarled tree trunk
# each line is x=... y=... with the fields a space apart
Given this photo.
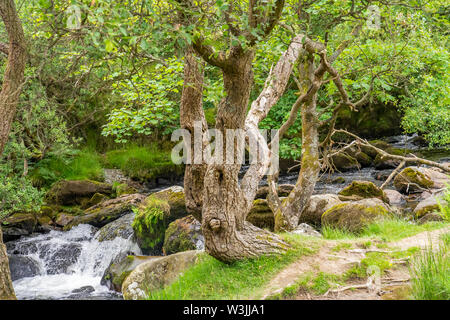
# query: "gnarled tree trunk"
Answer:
x=9 y=96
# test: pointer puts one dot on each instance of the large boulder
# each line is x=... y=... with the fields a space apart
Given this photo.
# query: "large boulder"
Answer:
x=182 y=235
x=354 y=216
x=429 y=205
x=121 y=227
x=358 y=190
x=22 y=267
x=345 y=162
x=76 y=192
x=261 y=215
x=156 y=274
x=318 y=204
x=418 y=179
x=154 y=215
x=17 y=225
x=107 y=211
x=120 y=268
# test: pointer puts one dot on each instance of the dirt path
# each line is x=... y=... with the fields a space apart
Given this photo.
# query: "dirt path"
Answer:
x=338 y=262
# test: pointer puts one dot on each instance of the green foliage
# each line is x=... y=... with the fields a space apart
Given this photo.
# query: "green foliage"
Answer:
x=444 y=207
x=142 y=163
x=17 y=194
x=429 y=274
x=76 y=165
x=231 y=281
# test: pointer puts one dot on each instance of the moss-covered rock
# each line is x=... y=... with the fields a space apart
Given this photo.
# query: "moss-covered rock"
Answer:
x=107 y=211
x=261 y=215
x=17 y=225
x=381 y=162
x=75 y=192
x=354 y=216
x=345 y=162
x=429 y=205
x=63 y=219
x=318 y=204
x=363 y=190
x=154 y=215
x=430 y=217
x=182 y=235
x=156 y=274
x=418 y=179
x=120 y=268
x=123 y=188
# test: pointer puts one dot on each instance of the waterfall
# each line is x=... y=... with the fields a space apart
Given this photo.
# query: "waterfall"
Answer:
x=66 y=261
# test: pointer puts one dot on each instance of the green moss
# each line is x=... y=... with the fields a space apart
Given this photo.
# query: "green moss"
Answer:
x=364 y=189
x=150 y=222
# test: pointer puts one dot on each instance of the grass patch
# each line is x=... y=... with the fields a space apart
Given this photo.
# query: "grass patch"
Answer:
x=80 y=165
x=143 y=162
x=392 y=229
x=212 y=279
x=430 y=272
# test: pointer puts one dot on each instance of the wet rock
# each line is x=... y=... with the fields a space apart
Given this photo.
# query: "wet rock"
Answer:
x=354 y=216
x=306 y=229
x=121 y=227
x=17 y=225
x=429 y=205
x=156 y=274
x=182 y=235
x=120 y=268
x=84 y=290
x=283 y=191
x=261 y=215
x=64 y=219
x=154 y=215
x=22 y=267
x=73 y=192
x=11 y=234
x=362 y=190
x=318 y=204
x=59 y=258
x=419 y=179
x=107 y=211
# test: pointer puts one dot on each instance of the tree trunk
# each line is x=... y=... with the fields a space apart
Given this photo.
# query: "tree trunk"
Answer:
x=191 y=112
x=288 y=213
x=9 y=96
x=6 y=288
x=228 y=237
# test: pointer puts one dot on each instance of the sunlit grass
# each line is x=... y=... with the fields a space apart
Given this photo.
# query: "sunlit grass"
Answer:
x=430 y=274
x=386 y=230
x=212 y=279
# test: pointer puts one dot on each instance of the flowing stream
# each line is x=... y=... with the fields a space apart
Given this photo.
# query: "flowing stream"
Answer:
x=69 y=265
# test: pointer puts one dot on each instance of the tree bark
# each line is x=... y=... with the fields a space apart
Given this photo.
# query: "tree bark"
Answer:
x=191 y=112
x=288 y=213
x=12 y=85
x=228 y=237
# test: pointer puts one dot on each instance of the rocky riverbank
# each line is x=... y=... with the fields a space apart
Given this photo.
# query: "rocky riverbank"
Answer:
x=95 y=238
